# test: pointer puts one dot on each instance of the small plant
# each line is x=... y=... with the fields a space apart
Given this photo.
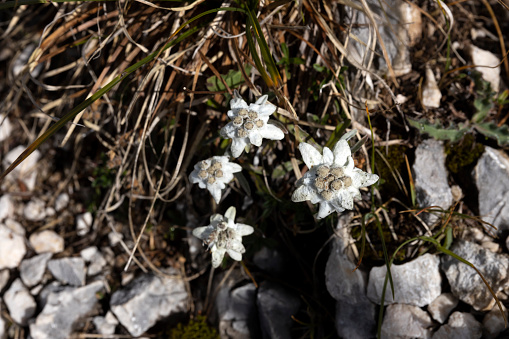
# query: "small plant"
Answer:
x=196 y=329
x=483 y=104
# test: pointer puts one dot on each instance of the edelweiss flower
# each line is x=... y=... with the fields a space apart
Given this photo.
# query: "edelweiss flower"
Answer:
x=332 y=179
x=224 y=235
x=249 y=124
x=213 y=174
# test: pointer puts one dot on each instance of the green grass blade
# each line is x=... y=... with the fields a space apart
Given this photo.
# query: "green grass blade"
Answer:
x=264 y=48
x=256 y=58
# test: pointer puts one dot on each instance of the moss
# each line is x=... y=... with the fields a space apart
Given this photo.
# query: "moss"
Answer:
x=196 y=329
x=462 y=154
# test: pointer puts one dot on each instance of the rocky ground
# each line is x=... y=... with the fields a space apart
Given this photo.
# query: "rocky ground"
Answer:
x=96 y=224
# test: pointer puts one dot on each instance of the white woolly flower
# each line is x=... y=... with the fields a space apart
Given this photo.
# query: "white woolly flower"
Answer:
x=213 y=174
x=249 y=124
x=332 y=179
x=223 y=235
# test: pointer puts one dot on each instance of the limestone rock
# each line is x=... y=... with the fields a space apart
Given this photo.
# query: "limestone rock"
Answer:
x=19 y=302
x=460 y=326
x=355 y=313
x=481 y=57
x=406 y=322
x=4 y=278
x=148 y=299
x=61 y=202
x=430 y=177
x=106 y=325
x=32 y=270
x=417 y=282
x=35 y=210
x=466 y=284
x=2 y=324
x=276 y=305
x=95 y=259
x=26 y=171
x=6 y=206
x=68 y=270
x=492 y=180
x=493 y=323
x=12 y=248
x=5 y=129
x=83 y=223
x=66 y=311
x=46 y=241
x=431 y=94
x=441 y=307
x=237 y=312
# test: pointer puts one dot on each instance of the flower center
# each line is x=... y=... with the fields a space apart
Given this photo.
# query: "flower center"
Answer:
x=246 y=121
x=238 y=121
x=331 y=180
x=225 y=238
x=212 y=172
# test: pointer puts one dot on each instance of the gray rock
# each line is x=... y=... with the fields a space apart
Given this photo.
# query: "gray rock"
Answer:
x=6 y=204
x=355 y=320
x=431 y=184
x=466 y=284
x=395 y=41
x=460 y=326
x=12 y=248
x=68 y=270
x=26 y=171
x=19 y=302
x=492 y=179
x=276 y=305
x=65 y=311
x=417 y=282
x=53 y=287
x=441 y=307
x=35 y=210
x=15 y=227
x=493 y=323
x=5 y=129
x=46 y=241
x=83 y=223
x=406 y=322
x=431 y=94
x=148 y=299
x=105 y=325
x=95 y=259
x=2 y=324
x=270 y=261
x=4 y=278
x=237 y=312
x=484 y=58
x=61 y=202
x=355 y=313
x=31 y=270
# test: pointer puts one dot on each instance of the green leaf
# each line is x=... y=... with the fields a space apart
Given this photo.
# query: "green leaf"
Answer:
x=438 y=132
x=491 y=130
x=338 y=133
x=233 y=79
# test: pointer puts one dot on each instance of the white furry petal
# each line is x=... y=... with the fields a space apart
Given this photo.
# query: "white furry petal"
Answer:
x=336 y=193
x=310 y=155
x=251 y=124
x=223 y=235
